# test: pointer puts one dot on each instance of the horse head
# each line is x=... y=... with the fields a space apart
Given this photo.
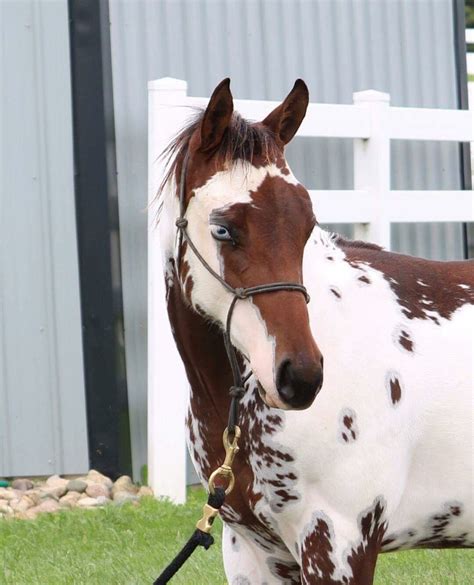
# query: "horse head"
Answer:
x=250 y=219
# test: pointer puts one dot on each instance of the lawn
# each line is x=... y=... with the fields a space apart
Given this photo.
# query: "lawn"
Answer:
x=129 y=545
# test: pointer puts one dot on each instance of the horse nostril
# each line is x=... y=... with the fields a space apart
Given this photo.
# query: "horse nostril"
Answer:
x=284 y=382
x=298 y=386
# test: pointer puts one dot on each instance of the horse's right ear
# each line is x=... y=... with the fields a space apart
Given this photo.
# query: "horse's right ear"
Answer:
x=217 y=116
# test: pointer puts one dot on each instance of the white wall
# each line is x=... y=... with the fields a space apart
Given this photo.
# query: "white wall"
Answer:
x=42 y=405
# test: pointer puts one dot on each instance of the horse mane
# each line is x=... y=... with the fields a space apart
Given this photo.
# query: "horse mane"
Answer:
x=345 y=243
x=243 y=140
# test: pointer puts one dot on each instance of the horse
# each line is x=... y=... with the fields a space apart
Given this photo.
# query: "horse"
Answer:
x=356 y=421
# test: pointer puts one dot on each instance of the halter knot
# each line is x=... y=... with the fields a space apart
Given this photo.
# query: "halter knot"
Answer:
x=181 y=223
x=237 y=392
x=241 y=293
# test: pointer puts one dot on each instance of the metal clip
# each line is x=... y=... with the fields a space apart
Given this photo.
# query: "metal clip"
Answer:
x=225 y=470
x=208 y=515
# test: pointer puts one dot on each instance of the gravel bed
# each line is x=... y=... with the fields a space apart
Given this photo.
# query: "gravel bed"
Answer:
x=26 y=499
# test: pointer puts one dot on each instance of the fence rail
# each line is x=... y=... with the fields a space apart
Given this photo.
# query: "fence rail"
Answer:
x=372 y=206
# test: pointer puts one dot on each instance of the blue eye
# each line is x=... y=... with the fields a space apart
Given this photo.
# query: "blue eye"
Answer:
x=219 y=232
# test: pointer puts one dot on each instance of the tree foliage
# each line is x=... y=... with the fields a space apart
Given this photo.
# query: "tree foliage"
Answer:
x=469 y=13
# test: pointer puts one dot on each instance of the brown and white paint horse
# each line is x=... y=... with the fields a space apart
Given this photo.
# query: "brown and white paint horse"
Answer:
x=380 y=461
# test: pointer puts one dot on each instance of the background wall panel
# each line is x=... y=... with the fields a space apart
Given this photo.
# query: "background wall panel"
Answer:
x=338 y=47
x=42 y=407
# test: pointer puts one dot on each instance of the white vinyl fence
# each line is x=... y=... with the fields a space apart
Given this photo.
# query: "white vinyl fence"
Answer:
x=372 y=206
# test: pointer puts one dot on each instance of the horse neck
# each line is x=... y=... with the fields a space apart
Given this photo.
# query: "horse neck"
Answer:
x=350 y=279
x=201 y=346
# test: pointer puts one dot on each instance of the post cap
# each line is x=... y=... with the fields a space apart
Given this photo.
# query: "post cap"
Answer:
x=168 y=84
x=370 y=95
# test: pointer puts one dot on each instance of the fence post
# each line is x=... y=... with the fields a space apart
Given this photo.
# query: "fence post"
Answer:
x=372 y=167
x=167 y=383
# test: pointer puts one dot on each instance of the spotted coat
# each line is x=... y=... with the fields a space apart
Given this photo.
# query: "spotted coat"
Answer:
x=305 y=482
x=380 y=460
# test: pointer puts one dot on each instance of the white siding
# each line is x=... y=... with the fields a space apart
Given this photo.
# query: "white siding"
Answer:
x=42 y=406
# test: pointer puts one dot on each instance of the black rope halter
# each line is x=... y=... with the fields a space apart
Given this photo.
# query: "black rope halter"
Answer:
x=237 y=390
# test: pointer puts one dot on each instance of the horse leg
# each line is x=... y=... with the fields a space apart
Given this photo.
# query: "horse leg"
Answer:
x=246 y=563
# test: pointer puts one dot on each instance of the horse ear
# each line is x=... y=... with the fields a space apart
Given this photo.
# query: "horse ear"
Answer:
x=217 y=116
x=287 y=117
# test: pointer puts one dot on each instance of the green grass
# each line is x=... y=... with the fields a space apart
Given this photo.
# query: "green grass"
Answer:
x=129 y=545
x=470 y=77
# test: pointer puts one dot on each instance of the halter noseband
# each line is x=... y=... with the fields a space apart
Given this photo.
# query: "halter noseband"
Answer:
x=237 y=390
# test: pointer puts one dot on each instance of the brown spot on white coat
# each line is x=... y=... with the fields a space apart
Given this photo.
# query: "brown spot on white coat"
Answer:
x=394 y=387
x=348 y=428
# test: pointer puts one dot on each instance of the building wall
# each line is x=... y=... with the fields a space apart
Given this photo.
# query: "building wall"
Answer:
x=338 y=47
x=42 y=406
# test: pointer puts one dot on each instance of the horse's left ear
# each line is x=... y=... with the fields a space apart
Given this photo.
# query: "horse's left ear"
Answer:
x=217 y=116
x=287 y=117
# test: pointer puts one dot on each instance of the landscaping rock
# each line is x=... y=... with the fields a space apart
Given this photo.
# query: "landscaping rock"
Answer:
x=122 y=497
x=47 y=505
x=57 y=483
x=76 y=485
x=54 y=493
x=95 y=490
x=96 y=477
x=54 y=480
x=69 y=500
x=87 y=503
x=30 y=514
x=8 y=494
x=27 y=502
x=26 y=499
x=22 y=505
x=145 y=491
x=34 y=494
x=124 y=484
x=23 y=484
x=103 y=501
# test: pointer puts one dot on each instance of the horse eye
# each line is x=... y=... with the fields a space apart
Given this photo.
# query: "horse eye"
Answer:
x=219 y=232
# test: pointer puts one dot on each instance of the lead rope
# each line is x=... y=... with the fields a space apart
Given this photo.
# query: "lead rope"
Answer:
x=217 y=494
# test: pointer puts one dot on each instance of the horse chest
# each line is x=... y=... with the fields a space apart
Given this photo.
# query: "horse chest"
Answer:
x=267 y=475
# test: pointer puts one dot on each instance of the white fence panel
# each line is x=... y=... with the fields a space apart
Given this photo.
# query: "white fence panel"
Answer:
x=418 y=124
x=341 y=206
x=167 y=384
x=372 y=206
